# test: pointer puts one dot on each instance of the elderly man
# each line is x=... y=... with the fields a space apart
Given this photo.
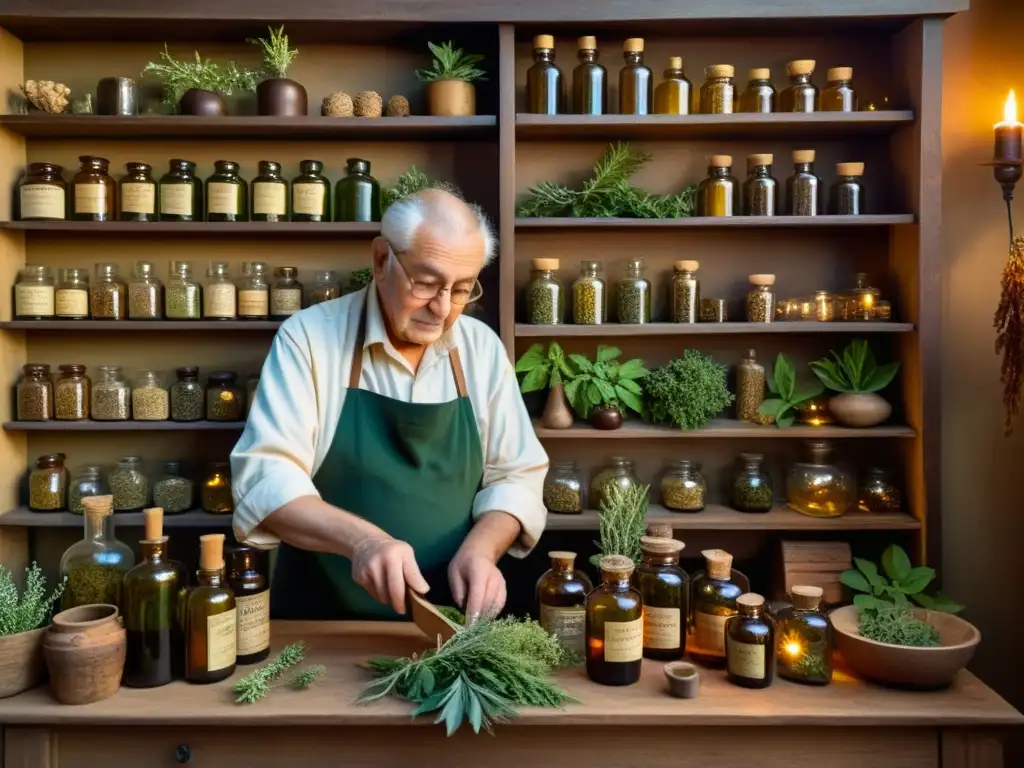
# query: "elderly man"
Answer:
x=388 y=446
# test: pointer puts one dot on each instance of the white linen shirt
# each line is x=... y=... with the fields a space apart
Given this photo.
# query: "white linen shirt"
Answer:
x=302 y=390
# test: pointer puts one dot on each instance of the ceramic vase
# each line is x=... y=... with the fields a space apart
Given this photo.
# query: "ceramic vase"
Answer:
x=85 y=651
x=859 y=409
x=557 y=413
x=451 y=98
x=202 y=103
x=281 y=97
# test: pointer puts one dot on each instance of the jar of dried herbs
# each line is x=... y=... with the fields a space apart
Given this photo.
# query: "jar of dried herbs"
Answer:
x=633 y=295
x=129 y=485
x=95 y=566
x=86 y=482
x=224 y=398
x=589 y=299
x=563 y=488
x=683 y=488
x=71 y=394
x=545 y=296
x=108 y=296
x=184 y=295
x=42 y=193
x=761 y=299
x=286 y=295
x=227 y=194
x=71 y=299
x=719 y=193
x=94 y=193
x=188 y=398
x=150 y=399
x=803 y=187
x=750 y=381
x=325 y=287
x=269 y=193
x=713 y=311
x=34 y=294
x=761 y=189
x=847 y=194
x=137 y=191
x=216 y=490
x=751 y=485
x=839 y=95
x=172 y=492
x=760 y=94
x=46 y=484
x=35 y=393
x=802 y=94
x=877 y=493
x=620 y=472
x=254 y=292
x=718 y=94
x=181 y=193
x=685 y=292
x=220 y=297
x=145 y=293
x=251 y=385
x=111 y=395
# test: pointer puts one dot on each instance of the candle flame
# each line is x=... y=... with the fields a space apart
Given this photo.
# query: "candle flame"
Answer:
x=1010 y=109
x=793 y=648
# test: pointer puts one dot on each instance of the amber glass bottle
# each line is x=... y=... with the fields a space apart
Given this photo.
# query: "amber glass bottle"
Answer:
x=665 y=589
x=802 y=94
x=719 y=193
x=311 y=193
x=151 y=591
x=93 y=192
x=181 y=193
x=211 y=619
x=759 y=95
x=803 y=188
x=636 y=83
x=804 y=639
x=544 y=79
x=562 y=601
x=673 y=94
x=227 y=194
x=839 y=95
x=750 y=644
x=252 y=602
x=714 y=601
x=615 y=625
x=269 y=194
x=138 y=194
x=589 y=80
x=357 y=196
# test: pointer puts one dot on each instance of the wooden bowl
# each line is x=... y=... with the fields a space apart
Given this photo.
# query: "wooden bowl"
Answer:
x=902 y=665
x=21 y=662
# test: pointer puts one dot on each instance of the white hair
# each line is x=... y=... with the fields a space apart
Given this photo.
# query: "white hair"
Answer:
x=404 y=217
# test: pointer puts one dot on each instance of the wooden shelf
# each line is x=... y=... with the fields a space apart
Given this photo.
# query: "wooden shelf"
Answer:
x=194 y=518
x=200 y=228
x=527 y=330
x=178 y=127
x=103 y=326
x=676 y=127
x=754 y=222
x=718 y=428
x=122 y=426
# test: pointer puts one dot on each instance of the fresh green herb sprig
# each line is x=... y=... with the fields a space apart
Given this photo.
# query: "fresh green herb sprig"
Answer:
x=411 y=182
x=543 y=368
x=29 y=610
x=855 y=370
x=605 y=381
x=277 y=56
x=687 y=392
x=258 y=684
x=785 y=396
x=306 y=677
x=451 y=63
x=622 y=521
x=904 y=583
x=896 y=625
x=203 y=74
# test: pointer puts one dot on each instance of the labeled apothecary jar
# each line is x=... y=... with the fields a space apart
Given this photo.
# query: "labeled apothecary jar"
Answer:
x=750 y=487
x=718 y=94
x=877 y=493
x=188 y=397
x=269 y=193
x=761 y=299
x=34 y=294
x=129 y=485
x=71 y=394
x=111 y=395
x=633 y=295
x=254 y=292
x=563 y=488
x=47 y=484
x=216 y=490
x=286 y=295
x=95 y=566
x=816 y=487
x=145 y=293
x=759 y=95
x=224 y=398
x=311 y=193
x=181 y=193
x=94 y=193
x=172 y=492
x=621 y=472
x=589 y=297
x=35 y=393
x=86 y=482
x=138 y=194
x=325 y=287
x=150 y=399
x=545 y=295
x=184 y=295
x=685 y=292
x=220 y=297
x=108 y=295
x=42 y=193
x=71 y=299
x=227 y=196
x=803 y=636
x=683 y=488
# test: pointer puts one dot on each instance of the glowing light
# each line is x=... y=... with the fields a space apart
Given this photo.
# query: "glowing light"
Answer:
x=794 y=649
x=1010 y=109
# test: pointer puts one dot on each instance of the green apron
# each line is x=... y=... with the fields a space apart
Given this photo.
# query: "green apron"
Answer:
x=413 y=469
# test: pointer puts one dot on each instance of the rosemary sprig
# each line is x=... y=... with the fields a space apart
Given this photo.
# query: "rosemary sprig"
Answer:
x=622 y=521
x=256 y=685
x=306 y=677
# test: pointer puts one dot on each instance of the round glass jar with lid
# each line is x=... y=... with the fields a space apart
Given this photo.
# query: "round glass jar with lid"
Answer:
x=269 y=193
x=846 y=196
x=254 y=292
x=877 y=493
x=759 y=95
x=251 y=385
x=683 y=488
x=184 y=296
x=188 y=396
x=108 y=295
x=220 y=296
x=150 y=399
x=286 y=295
x=93 y=192
x=633 y=295
x=145 y=293
x=95 y=566
x=750 y=487
x=685 y=292
x=34 y=294
x=111 y=395
x=47 y=484
x=171 y=491
x=719 y=193
x=71 y=394
x=816 y=487
x=802 y=94
x=563 y=489
x=545 y=295
x=839 y=95
x=311 y=193
x=84 y=483
x=35 y=393
x=181 y=193
x=718 y=94
x=357 y=195
x=861 y=301
x=71 y=298
x=215 y=492
x=42 y=193
x=620 y=472
x=137 y=191
x=325 y=287
x=129 y=485
x=224 y=398
x=761 y=299
x=227 y=197
x=589 y=296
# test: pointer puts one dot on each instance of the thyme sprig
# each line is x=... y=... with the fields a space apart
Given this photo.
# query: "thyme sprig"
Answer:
x=29 y=610
x=257 y=685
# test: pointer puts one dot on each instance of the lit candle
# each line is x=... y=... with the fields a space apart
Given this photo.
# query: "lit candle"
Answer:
x=1009 y=134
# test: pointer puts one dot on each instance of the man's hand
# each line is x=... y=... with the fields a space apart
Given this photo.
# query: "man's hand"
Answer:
x=476 y=582
x=383 y=567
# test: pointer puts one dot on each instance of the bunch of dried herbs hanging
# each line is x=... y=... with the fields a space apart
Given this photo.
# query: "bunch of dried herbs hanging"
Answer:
x=1009 y=324
x=257 y=685
x=622 y=521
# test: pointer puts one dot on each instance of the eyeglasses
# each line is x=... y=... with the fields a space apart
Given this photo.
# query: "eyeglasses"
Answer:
x=430 y=291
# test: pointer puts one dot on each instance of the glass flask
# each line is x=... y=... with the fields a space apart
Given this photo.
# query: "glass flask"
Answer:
x=216 y=490
x=761 y=189
x=227 y=193
x=839 y=95
x=718 y=94
x=357 y=195
x=802 y=94
x=286 y=294
x=269 y=193
x=636 y=83
x=254 y=292
x=674 y=93
x=251 y=588
x=137 y=192
x=42 y=193
x=86 y=482
x=816 y=487
x=846 y=197
x=35 y=393
x=311 y=193
x=544 y=79
x=759 y=95
x=615 y=625
x=188 y=397
x=803 y=188
x=750 y=381
x=181 y=193
x=665 y=589
x=71 y=299
x=93 y=191
x=804 y=639
x=95 y=566
x=562 y=601
x=685 y=292
x=211 y=634
x=545 y=295
x=751 y=486
x=589 y=80
x=750 y=644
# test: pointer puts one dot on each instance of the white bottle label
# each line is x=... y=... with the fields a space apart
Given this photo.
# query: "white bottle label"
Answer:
x=72 y=302
x=253 y=622
x=222 y=198
x=285 y=301
x=253 y=303
x=91 y=198
x=221 y=640
x=33 y=300
x=567 y=624
x=746 y=660
x=176 y=200
x=269 y=198
x=42 y=201
x=624 y=640
x=308 y=199
x=219 y=300
x=662 y=627
x=138 y=198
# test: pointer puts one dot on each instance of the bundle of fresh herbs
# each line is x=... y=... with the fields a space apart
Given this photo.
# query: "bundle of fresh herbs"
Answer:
x=855 y=370
x=605 y=381
x=29 y=610
x=687 y=392
x=203 y=74
x=622 y=521
x=411 y=182
x=896 y=625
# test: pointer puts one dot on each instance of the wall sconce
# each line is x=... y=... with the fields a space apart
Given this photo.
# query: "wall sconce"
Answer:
x=1006 y=162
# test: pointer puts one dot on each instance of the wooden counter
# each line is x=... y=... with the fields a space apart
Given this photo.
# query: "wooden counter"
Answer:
x=851 y=722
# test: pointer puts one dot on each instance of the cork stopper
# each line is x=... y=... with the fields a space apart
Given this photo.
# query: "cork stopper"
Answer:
x=761 y=279
x=154 y=523
x=803 y=155
x=675 y=62
x=617 y=565
x=850 y=169
x=719 y=563
x=806 y=598
x=660 y=530
x=562 y=559
x=98 y=506
x=719 y=70
x=760 y=159
x=800 y=67
x=840 y=73
x=686 y=265
x=211 y=552
x=658 y=545
x=751 y=601
x=720 y=161
x=585 y=43
x=544 y=264
x=544 y=41
x=633 y=45
x=760 y=73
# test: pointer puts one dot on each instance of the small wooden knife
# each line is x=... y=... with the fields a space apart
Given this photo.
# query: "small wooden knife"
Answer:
x=431 y=621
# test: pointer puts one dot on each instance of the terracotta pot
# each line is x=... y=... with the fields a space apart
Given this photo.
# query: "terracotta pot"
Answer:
x=281 y=97
x=605 y=417
x=859 y=410
x=451 y=98
x=85 y=650
x=21 y=662
x=557 y=413
x=202 y=103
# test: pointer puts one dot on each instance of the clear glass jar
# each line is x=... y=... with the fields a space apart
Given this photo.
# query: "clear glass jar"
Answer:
x=751 y=485
x=254 y=292
x=34 y=294
x=685 y=292
x=325 y=287
x=545 y=296
x=803 y=637
x=216 y=490
x=750 y=382
x=150 y=399
x=251 y=384
x=761 y=299
x=839 y=95
x=35 y=393
x=674 y=93
x=145 y=293
x=111 y=395
x=71 y=394
x=224 y=398
x=816 y=487
x=563 y=488
x=719 y=193
x=286 y=295
x=172 y=492
x=47 y=483
x=846 y=197
x=759 y=95
x=824 y=307
x=683 y=488
x=42 y=193
x=227 y=194
x=108 y=295
x=220 y=298
x=86 y=482
x=184 y=295
x=633 y=295
x=94 y=192
x=877 y=493
x=713 y=311
x=718 y=94
x=129 y=485
x=71 y=299
x=861 y=301
x=620 y=472
x=802 y=94
x=188 y=397
x=95 y=566
x=761 y=189
x=589 y=299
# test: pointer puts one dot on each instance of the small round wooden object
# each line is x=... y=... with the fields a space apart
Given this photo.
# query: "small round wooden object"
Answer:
x=719 y=70
x=760 y=73
x=683 y=679
x=800 y=67
x=85 y=650
x=803 y=155
x=720 y=161
x=761 y=279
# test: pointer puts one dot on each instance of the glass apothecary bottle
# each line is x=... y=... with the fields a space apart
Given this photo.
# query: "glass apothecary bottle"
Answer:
x=227 y=194
x=42 y=193
x=816 y=487
x=220 y=296
x=71 y=393
x=325 y=287
x=803 y=639
x=269 y=193
x=761 y=189
x=633 y=295
x=803 y=188
x=151 y=400
x=839 y=95
x=251 y=588
x=761 y=299
x=615 y=625
x=357 y=196
x=254 y=292
x=861 y=301
x=86 y=482
x=145 y=293
x=181 y=193
x=802 y=94
x=188 y=396
x=877 y=493
x=719 y=193
x=93 y=192
x=718 y=93
x=108 y=297
x=683 y=488
x=311 y=193
x=750 y=487
x=562 y=602
x=215 y=493
x=589 y=80
x=846 y=197
x=172 y=492
x=111 y=395
x=34 y=294
x=211 y=644
x=224 y=398
x=620 y=472
x=563 y=489
x=665 y=590
x=750 y=382
x=685 y=292
x=750 y=644
x=184 y=294
x=95 y=566
x=545 y=295
x=674 y=93
x=636 y=81
x=47 y=484
x=137 y=192
x=589 y=297
x=71 y=299
x=759 y=95
x=544 y=79
x=714 y=602
x=129 y=485
x=286 y=295
x=35 y=393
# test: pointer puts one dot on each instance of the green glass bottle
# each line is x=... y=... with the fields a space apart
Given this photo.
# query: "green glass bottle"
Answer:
x=211 y=642
x=615 y=625
x=750 y=644
x=252 y=601
x=357 y=196
x=665 y=589
x=269 y=194
x=181 y=193
x=311 y=193
x=544 y=79
x=714 y=602
x=227 y=197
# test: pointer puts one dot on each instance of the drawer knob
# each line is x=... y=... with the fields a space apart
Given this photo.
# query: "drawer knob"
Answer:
x=183 y=754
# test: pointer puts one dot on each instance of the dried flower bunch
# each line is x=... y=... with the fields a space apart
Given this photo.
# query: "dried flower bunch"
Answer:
x=201 y=74
x=46 y=95
x=1009 y=324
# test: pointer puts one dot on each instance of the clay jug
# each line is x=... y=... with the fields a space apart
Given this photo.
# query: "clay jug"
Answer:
x=557 y=413
x=85 y=651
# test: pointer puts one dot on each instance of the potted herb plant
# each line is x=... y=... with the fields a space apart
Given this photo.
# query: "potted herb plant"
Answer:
x=857 y=378
x=687 y=392
x=786 y=396
x=450 y=89
x=547 y=369
x=23 y=622
x=602 y=390
x=198 y=87
x=276 y=95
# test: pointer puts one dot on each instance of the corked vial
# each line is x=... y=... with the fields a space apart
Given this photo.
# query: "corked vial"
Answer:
x=614 y=625
x=804 y=638
x=802 y=94
x=714 y=601
x=718 y=93
x=675 y=92
x=718 y=563
x=589 y=80
x=685 y=291
x=545 y=295
x=761 y=189
x=636 y=81
x=561 y=599
x=803 y=188
x=212 y=644
x=847 y=195
x=761 y=299
x=750 y=382
x=665 y=589
x=759 y=96
x=750 y=644
x=544 y=79
x=589 y=296
x=719 y=193
x=838 y=95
